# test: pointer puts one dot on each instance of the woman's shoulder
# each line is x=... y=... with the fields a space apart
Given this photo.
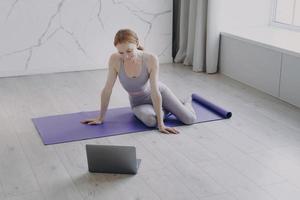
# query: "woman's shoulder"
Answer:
x=150 y=57
x=151 y=61
x=114 y=61
x=115 y=57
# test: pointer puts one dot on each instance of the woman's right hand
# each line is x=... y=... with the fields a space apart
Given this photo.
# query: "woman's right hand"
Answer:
x=95 y=121
x=168 y=130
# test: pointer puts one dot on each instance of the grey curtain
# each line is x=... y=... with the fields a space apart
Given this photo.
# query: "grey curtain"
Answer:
x=196 y=39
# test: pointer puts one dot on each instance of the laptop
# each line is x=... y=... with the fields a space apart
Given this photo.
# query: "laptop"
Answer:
x=112 y=159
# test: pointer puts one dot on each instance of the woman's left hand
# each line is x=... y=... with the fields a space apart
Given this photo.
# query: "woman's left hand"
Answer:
x=168 y=130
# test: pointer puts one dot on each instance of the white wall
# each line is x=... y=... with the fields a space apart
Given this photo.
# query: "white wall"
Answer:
x=232 y=16
x=238 y=14
x=41 y=36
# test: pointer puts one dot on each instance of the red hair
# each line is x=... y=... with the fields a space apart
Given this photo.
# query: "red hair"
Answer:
x=127 y=35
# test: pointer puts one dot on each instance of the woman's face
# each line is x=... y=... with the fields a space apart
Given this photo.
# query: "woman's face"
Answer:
x=127 y=50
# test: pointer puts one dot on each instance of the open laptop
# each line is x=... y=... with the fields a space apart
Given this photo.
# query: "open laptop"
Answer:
x=112 y=159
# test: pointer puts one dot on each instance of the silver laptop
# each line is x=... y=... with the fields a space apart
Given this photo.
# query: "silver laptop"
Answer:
x=112 y=159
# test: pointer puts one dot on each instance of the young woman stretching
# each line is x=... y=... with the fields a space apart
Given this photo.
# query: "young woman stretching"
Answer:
x=150 y=99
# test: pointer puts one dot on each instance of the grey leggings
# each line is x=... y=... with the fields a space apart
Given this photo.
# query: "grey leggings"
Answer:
x=143 y=109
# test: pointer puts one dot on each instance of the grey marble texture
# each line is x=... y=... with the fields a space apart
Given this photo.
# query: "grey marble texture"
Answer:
x=39 y=36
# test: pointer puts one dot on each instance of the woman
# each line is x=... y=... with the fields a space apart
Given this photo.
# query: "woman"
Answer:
x=138 y=73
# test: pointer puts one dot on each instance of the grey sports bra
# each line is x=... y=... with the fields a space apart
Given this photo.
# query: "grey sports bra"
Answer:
x=135 y=85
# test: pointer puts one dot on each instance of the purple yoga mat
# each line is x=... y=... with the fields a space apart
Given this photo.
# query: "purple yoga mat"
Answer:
x=67 y=127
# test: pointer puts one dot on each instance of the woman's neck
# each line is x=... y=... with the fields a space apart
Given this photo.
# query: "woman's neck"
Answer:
x=136 y=58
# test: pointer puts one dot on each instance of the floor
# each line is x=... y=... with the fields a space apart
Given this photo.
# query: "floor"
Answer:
x=253 y=155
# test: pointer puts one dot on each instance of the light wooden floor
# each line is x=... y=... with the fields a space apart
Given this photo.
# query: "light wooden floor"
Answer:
x=255 y=155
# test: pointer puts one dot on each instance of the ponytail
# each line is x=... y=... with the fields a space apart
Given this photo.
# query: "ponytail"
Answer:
x=139 y=47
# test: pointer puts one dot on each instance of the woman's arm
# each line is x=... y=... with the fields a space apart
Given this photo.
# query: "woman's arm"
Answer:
x=156 y=96
x=106 y=91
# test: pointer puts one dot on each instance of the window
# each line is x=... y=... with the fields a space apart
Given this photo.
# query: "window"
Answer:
x=286 y=13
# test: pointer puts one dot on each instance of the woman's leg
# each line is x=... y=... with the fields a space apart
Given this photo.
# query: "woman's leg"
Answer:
x=144 y=111
x=146 y=114
x=183 y=111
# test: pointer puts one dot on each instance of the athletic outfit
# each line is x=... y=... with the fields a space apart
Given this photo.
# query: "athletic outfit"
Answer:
x=139 y=92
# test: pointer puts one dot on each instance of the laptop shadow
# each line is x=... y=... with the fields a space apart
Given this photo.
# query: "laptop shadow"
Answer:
x=101 y=178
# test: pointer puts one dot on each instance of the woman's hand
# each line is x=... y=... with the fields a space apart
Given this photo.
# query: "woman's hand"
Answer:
x=95 y=121
x=168 y=130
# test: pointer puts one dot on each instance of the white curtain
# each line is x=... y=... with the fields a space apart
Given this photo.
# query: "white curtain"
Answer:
x=198 y=35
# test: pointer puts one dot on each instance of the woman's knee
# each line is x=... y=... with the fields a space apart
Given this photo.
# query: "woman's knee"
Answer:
x=150 y=121
x=189 y=119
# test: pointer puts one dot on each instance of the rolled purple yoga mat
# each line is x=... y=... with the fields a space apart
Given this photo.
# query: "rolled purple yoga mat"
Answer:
x=218 y=110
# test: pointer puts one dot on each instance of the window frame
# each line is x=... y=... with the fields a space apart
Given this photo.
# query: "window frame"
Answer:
x=275 y=23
